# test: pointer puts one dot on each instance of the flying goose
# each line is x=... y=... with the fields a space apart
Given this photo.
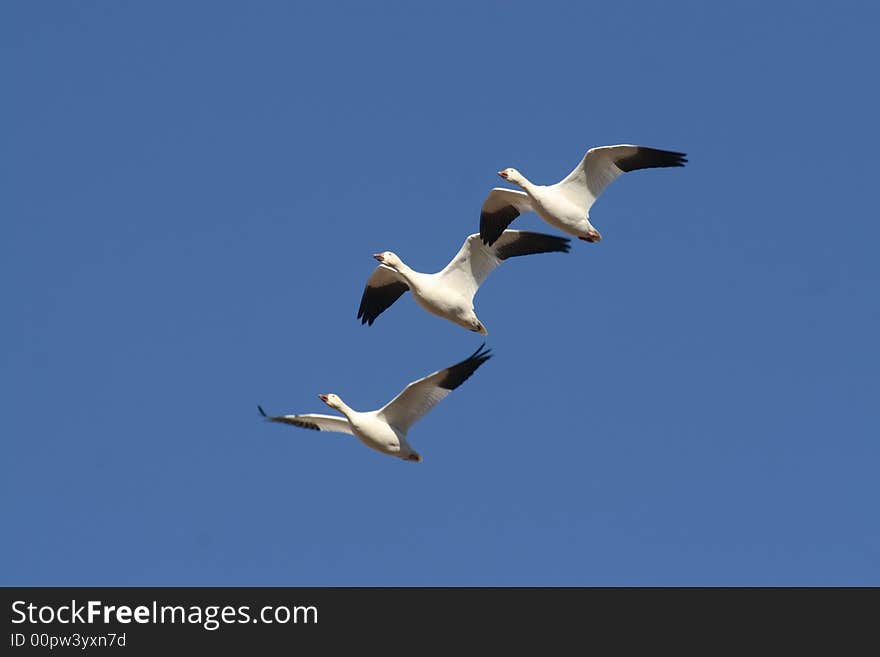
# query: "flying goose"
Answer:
x=566 y=205
x=450 y=293
x=385 y=430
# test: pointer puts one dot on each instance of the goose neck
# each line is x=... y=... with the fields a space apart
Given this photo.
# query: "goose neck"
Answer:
x=346 y=410
x=409 y=275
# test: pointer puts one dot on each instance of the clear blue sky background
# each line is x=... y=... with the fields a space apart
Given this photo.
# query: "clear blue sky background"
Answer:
x=190 y=196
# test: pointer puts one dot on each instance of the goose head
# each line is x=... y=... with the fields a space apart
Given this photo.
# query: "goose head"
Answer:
x=389 y=259
x=512 y=175
x=333 y=401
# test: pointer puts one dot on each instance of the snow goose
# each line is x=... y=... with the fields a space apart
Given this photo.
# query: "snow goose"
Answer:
x=385 y=430
x=450 y=293
x=566 y=205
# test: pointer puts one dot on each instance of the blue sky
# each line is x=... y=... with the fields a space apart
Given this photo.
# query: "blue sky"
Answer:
x=190 y=196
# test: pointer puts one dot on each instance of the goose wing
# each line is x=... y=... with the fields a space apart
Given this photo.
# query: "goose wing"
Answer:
x=602 y=165
x=313 y=421
x=421 y=396
x=383 y=288
x=475 y=260
x=500 y=208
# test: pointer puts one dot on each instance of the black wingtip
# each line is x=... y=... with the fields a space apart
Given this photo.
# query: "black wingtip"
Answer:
x=481 y=352
x=560 y=245
x=493 y=224
x=376 y=300
x=480 y=356
x=488 y=238
x=646 y=157
x=461 y=372
x=262 y=412
x=526 y=242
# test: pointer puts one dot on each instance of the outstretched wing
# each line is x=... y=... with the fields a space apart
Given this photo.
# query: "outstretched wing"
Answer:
x=602 y=165
x=313 y=421
x=475 y=261
x=384 y=287
x=421 y=396
x=500 y=208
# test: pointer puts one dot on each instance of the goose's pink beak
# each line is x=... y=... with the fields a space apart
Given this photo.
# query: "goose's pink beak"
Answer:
x=503 y=174
x=324 y=398
x=378 y=256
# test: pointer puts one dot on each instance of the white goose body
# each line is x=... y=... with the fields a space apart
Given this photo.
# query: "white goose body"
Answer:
x=433 y=294
x=566 y=204
x=557 y=210
x=448 y=303
x=375 y=432
x=385 y=430
x=450 y=293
